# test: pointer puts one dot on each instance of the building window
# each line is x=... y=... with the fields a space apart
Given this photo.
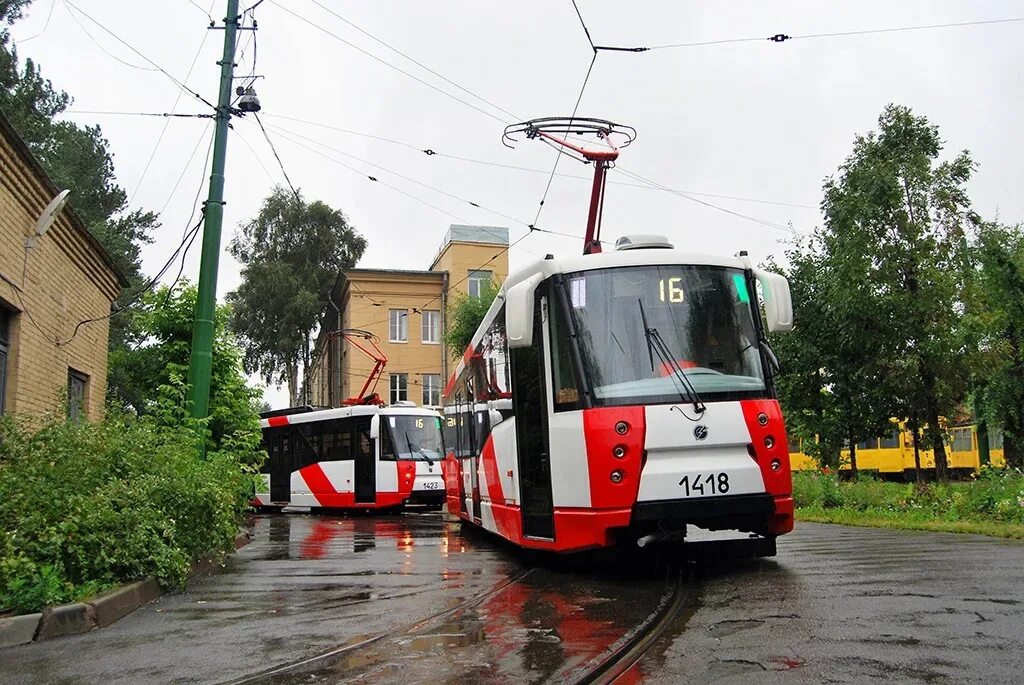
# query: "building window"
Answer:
x=431 y=390
x=478 y=282
x=5 y=347
x=77 y=383
x=399 y=387
x=398 y=330
x=431 y=328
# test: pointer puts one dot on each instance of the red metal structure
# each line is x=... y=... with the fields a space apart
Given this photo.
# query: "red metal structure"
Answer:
x=362 y=340
x=555 y=131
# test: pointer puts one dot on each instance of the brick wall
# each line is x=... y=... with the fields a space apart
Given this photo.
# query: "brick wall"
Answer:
x=64 y=280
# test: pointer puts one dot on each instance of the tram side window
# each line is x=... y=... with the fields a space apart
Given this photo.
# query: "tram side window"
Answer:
x=867 y=445
x=962 y=440
x=995 y=439
x=563 y=373
x=890 y=441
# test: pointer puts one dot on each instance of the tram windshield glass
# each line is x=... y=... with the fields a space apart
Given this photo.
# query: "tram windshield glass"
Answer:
x=699 y=324
x=412 y=437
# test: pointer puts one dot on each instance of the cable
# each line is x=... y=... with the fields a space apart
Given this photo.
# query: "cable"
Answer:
x=434 y=153
x=259 y=161
x=53 y=3
x=781 y=37
x=414 y=60
x=583 y=24
x=138 y=114
x=655 y=184
x=167 y=121
x=206 y=12
x=163 y=71
x=388 y=64
x=108 y=53
x=276 y=156
x=558 y=158
x=188 y=163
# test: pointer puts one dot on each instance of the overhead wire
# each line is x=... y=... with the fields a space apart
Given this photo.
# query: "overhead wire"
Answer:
x=49 y=15
x=781 y=37
x=414 y=60
x=374 y=57
x=99 y=45
x=157 y=67
x=167 y=121
x=276 y=156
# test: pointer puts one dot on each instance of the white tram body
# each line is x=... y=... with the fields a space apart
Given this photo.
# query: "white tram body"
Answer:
x=358 y=457
x=622 y=395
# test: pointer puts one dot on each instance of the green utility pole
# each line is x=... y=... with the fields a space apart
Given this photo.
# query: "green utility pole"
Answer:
x=201 y=363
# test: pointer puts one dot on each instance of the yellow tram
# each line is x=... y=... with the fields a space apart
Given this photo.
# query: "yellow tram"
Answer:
x=893 y=454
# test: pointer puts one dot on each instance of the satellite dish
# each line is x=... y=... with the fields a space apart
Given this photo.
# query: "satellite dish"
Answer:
x=51 y=212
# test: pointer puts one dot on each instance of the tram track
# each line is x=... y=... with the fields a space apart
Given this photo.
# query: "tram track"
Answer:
x=275 y=673
x=628 y=651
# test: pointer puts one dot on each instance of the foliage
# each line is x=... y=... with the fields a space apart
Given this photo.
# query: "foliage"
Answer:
x=165 y=321
x=884 y=286
x=995 y=495
x=291 y=255
x=85 y=506
x=465 y=314
x=996 y=329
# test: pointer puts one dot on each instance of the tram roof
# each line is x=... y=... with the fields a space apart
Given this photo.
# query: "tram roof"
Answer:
x=346 y=412
x=618 y=258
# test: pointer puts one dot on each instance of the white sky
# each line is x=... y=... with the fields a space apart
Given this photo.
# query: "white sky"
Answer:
x=748 y=119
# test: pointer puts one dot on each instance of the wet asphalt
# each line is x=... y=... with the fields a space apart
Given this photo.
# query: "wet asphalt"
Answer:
x=416 y=599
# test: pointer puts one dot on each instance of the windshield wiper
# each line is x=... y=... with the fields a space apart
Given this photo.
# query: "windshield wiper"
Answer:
x=656 y=345
x=418 y=450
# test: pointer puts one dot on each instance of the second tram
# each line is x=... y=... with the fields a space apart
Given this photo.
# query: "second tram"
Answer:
x=620 y=397
x=358 y=457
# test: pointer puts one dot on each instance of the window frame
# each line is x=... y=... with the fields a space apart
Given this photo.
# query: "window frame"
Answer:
x=434 y=389
x=476 y=278
x=403 y=330
x=403 y=379
x=6 y=317
x=77 y=404
x=433 y=330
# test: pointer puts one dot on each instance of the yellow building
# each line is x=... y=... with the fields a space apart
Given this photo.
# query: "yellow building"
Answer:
x=56 y=287
x=406 y=313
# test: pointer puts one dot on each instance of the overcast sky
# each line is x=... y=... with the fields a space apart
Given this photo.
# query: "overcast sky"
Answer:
x=758 y=120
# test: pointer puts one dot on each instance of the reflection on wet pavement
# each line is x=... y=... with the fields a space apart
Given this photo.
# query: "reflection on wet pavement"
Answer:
x=850 y=605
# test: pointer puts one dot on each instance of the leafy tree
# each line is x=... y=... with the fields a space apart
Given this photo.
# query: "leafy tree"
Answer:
x=465 y=315
x=165 y=322
x=291 y=255
x=998 y=324
x=896 y=223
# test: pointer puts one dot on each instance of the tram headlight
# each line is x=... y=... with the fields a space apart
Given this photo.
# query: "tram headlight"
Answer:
x=619 y=451
x=762 y=419
x=776 y=465
x=622 y=428
x=617 y=476
x=769 y=442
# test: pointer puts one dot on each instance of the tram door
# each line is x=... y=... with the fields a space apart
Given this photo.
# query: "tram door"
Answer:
x=365 y=470
x=278 y=442
x=529 y=400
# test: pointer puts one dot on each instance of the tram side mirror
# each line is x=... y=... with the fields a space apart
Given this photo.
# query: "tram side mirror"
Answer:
x=375 y=427
x=778 y=303
x=494 y=417
x=519 y=312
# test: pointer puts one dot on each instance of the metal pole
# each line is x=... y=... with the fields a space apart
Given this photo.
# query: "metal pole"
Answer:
x=201 y=362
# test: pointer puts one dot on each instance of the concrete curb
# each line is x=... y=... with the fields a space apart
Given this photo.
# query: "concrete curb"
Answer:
x=98 y=612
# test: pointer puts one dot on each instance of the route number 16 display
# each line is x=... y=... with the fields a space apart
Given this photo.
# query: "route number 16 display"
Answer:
x=669 y=290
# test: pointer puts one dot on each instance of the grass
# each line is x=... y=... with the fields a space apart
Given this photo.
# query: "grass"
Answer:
x=991 y=504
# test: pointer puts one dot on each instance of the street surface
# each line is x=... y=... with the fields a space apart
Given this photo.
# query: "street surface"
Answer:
x=415 y=599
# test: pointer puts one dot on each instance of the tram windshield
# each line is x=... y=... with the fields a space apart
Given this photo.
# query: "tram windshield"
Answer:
x=702 y=314
x=412 y=437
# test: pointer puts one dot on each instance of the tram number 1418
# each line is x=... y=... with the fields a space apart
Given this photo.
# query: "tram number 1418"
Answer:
x=711 y=484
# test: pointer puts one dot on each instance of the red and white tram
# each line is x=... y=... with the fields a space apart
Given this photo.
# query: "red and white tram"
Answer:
x=622 y=396
x=357 y=457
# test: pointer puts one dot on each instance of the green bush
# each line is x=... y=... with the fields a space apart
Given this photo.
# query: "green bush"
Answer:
x=85 y=506
x=995 y=495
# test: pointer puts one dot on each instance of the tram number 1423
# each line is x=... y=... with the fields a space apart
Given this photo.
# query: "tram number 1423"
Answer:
x=711 y=484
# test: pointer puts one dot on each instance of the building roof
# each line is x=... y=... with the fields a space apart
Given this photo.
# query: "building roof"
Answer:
x=21 y=148
x=413 y=272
